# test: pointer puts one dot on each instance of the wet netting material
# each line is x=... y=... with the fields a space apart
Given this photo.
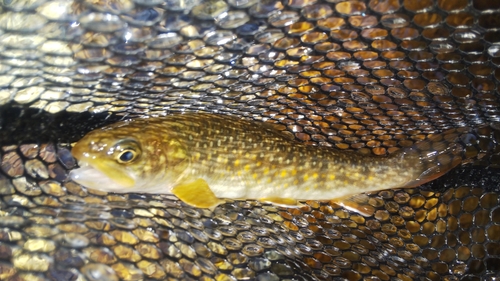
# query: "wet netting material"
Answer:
x=369 y=76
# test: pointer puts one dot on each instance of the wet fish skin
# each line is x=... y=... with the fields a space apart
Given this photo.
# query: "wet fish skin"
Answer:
x=186 y=154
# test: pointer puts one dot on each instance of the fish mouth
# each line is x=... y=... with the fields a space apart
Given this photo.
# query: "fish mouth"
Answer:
x=101 y=177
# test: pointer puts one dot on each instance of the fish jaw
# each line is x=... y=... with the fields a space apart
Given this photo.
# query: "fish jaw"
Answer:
x=100 y=177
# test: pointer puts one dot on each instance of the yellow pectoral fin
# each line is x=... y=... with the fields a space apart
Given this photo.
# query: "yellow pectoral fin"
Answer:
x=197 y=194
x=283 y=202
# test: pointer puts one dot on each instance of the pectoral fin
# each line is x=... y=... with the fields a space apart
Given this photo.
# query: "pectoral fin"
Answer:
x=283 y=202
x=357 y=203
x=197 y=194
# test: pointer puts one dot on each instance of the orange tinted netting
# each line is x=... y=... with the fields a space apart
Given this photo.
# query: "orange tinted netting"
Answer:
x=371 y=76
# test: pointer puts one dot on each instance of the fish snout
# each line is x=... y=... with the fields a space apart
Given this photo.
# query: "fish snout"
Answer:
x=79 y=151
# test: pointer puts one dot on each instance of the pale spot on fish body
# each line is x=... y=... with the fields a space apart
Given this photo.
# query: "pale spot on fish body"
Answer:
x=220 y=159
x=197 y=156
x=162 y=159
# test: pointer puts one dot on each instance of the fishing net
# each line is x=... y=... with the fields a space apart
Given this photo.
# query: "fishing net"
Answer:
x=369 y=76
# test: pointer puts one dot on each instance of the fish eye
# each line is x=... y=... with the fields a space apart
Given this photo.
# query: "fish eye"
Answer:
x=126 y=156
x=126 y=151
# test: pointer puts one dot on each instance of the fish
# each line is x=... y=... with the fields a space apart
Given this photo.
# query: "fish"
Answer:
x=205 y=159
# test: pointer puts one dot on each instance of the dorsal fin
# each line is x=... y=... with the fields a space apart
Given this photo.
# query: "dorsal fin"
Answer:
x=278 y=129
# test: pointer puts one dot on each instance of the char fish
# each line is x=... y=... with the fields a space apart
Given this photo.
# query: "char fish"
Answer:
x=206 y=158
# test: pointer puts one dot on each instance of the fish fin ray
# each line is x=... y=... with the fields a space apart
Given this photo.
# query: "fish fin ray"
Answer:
x=434 y=156
x=282 y=202
x=278 y=129
x=356 y=203
x=197 y=193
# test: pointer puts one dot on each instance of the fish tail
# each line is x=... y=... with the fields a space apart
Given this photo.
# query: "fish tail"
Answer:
x=435 y=156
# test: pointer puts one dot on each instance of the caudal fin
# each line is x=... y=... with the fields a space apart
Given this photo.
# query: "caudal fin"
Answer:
x=434 y=156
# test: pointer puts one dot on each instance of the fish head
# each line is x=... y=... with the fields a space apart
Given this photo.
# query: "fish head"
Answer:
x=121 y=159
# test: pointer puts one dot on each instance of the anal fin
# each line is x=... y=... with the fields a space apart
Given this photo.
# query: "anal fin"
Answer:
x=357 y=203
x=197 y=193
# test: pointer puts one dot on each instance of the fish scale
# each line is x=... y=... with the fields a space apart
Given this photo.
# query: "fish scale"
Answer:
x=204 y=158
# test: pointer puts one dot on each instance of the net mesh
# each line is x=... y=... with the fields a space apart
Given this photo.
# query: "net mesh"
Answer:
x=371 y=76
